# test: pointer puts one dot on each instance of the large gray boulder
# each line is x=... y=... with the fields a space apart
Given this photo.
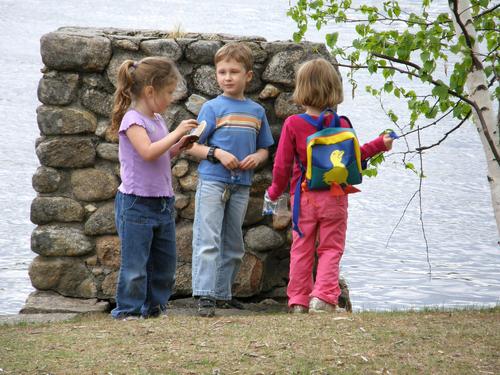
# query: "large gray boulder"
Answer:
x=205 y=82
x=93 y=184
x=102 y=221
x=68 y=276
x=57 y=240
x=58 y=88
x=54 y=120
x=66 y=152
x=162 y=47
x=202 y=51
x=66 y=51
x=49 y=209
x=46 y=180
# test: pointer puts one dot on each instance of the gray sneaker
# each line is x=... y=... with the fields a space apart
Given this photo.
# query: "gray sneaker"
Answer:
x=317 y=305
x=206 y=307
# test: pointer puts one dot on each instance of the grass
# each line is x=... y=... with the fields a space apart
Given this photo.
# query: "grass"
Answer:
x=427 y=342
x=177 y=32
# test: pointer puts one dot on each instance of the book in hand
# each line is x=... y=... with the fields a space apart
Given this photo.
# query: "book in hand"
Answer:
x=193 y=135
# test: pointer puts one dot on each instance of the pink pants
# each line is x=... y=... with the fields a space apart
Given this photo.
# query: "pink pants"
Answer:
x=323 y=220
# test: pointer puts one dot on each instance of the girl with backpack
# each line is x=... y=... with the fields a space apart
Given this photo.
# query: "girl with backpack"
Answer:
x=323 y=213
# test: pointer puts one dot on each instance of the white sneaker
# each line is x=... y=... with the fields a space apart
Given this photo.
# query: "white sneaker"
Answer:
x=317 y=305
x=298 y=309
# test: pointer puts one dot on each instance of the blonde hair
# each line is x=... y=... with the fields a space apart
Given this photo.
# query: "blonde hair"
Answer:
x=158 y=72
x=318 y=85
x=237 y=51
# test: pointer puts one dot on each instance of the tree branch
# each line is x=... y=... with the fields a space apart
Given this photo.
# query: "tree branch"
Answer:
x=445 y=134
x=486 y=12
x=399 y=61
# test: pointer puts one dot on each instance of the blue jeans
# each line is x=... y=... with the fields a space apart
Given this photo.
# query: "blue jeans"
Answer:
x=146 y=227
x=217 y=238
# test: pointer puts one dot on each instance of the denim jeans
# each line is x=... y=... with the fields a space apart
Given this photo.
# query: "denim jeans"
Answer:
x=146 y=227
x=217 y=238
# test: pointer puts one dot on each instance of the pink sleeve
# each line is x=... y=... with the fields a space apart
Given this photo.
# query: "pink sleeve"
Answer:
x=373 y=147
x=283 y=162
x=368 y=149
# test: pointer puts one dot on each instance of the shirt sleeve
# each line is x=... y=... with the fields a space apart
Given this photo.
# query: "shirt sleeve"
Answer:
x=207 y=114
x=373 y=147
x=265 y=137
x=368 y=149
x=131 y=118
x=283 y=162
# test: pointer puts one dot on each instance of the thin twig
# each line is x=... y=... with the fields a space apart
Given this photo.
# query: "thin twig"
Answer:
x=420 y=204
x=445 y=134
x=487 y=11
x=400 y=219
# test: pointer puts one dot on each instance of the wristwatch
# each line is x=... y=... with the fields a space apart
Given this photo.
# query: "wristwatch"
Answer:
x=210 y=156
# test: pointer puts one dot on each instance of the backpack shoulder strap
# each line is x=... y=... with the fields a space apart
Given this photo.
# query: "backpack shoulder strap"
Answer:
x=346 y=120
x=319 y=123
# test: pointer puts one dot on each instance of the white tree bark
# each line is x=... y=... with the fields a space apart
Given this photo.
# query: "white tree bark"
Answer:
x=477 y=89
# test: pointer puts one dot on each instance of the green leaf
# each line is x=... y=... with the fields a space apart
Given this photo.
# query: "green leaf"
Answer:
x=411 y=167
x=388 y=86
x=441 y=92
x=372 y=66
x=331 y=39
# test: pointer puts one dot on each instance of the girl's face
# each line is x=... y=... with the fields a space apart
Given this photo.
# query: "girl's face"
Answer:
x=158 y=101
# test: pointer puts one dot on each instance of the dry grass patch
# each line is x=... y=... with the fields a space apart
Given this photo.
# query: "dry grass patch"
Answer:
x=458 y=342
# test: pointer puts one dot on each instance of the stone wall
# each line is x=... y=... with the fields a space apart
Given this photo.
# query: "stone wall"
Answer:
x=76 y=241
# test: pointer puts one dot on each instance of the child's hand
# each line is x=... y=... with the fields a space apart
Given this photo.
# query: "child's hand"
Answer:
x=185 y=143
x=389 y=137
x=227 y=159
x=269 y=206
x=388 y=141
x=185 y=126
x=250 y=162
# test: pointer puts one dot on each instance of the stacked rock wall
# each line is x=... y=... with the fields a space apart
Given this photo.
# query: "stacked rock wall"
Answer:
x=76 y=241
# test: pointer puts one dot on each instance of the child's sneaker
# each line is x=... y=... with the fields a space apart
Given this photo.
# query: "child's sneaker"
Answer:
x=317 y=305
x=230 y=304
x=298 y=309
x=128 y=318
x=156 y=312
x=206 y=307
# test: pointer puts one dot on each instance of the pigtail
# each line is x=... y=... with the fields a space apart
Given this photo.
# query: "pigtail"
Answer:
x=123 y=95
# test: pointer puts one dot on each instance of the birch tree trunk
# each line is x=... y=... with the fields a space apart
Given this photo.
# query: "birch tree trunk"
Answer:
x=477 y=88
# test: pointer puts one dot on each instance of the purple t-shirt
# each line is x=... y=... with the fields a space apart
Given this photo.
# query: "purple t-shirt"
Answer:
x=141 y=177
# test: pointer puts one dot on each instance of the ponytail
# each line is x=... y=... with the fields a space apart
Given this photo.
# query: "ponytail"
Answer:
x=133 y=76
x=123 y=95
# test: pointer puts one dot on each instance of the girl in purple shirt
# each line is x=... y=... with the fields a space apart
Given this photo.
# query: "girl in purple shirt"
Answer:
x=144 y=204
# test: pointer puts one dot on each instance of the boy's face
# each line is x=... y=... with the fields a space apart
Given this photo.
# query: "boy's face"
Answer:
x=232 y=78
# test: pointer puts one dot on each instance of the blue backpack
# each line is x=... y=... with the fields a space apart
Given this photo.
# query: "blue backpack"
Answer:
x=333 y=160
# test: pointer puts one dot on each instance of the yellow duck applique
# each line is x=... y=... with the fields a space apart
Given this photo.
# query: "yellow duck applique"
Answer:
x=339 y=172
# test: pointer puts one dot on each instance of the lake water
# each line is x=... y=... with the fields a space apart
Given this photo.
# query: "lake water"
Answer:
x=457 y=213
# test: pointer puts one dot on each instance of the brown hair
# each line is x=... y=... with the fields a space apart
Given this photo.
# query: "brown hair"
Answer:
x=236 y=51
x=158 y=72
x=318 y=85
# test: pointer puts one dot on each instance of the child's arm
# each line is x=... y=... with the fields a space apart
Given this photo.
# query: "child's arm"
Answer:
x=376 y=146
x=227 y=159
x=283 y=163
x=252 y=161
x=151 y=151
x=180 y=146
